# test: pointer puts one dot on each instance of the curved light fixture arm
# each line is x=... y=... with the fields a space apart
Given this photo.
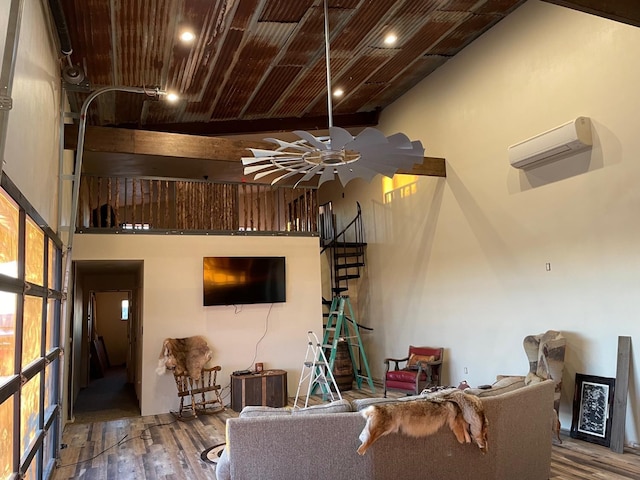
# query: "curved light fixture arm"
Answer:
x=80 y=144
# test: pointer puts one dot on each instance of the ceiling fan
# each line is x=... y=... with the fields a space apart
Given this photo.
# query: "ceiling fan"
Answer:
x=338 y=154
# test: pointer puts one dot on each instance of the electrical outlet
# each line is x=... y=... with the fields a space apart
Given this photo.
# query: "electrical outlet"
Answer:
x=547 y=266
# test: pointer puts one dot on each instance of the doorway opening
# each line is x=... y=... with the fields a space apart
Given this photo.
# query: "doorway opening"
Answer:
x=106 y=335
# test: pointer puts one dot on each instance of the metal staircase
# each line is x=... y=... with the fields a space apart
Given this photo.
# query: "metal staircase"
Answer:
x=346 y=255
x=345 y=250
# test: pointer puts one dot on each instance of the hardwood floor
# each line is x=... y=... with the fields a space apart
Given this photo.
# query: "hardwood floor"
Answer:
x=159 y=447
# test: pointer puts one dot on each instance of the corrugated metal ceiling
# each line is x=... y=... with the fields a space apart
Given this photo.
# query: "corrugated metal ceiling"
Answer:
x=256 y=63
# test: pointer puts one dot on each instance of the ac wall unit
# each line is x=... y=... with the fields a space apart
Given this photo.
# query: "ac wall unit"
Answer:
x=553 y=144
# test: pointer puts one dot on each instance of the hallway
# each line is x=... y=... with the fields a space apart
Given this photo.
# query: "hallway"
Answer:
x=107 y=398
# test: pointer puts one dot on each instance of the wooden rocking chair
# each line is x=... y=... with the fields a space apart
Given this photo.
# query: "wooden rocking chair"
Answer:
x=199 y=402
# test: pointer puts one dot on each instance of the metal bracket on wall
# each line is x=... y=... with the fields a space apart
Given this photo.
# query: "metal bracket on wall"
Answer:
x=6 y=103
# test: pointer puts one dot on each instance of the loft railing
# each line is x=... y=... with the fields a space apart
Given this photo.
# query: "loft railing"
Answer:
x=118 y=203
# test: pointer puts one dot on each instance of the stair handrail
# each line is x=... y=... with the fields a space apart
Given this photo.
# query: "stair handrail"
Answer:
x=359 y=230
x=339 y=247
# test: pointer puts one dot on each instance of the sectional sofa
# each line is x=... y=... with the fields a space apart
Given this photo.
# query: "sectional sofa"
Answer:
x=313 y=444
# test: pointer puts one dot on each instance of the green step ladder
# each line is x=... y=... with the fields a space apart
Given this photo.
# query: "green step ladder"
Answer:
x=343 y=326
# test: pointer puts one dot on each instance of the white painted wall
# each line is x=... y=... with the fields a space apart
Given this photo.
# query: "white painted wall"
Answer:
x=172 y=305
x=460 y=262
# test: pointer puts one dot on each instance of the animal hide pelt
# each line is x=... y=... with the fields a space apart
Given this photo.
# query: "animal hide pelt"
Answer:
x=184 y=356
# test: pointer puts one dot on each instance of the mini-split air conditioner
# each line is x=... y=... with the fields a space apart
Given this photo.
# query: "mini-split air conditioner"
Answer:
x=559 y=142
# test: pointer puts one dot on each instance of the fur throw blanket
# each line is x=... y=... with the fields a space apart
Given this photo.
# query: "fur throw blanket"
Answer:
x=184 y=356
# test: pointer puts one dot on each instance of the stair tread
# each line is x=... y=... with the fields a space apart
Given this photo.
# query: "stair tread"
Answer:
x=347 y=277
x=348 y=265
x=348 y=254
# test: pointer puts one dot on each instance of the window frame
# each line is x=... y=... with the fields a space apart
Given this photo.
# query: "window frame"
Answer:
x=49 y=422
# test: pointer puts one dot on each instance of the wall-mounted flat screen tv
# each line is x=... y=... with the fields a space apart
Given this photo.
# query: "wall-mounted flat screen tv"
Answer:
x=243 y=280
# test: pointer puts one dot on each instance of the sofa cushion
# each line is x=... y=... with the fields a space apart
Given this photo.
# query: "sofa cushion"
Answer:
x=338 y=406
x=252 y=411
x=404 y=376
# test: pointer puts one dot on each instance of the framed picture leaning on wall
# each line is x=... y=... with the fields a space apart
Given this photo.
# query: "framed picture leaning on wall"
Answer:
x=592 y=409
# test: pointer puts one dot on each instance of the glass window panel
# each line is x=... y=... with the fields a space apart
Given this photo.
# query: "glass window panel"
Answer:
x=31 y=330
x=124 y=314
x=29 y=402
x=9 y=225
x=34 y=266
x=6 y=436
x=8 y=303
x=51 y=319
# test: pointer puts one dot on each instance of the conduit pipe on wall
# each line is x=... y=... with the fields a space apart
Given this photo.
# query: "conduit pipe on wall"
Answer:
x=8 y=69
x=61 y=26
x=77 y=169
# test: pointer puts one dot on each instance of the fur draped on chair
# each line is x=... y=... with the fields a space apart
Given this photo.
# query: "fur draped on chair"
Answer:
x=184 y=356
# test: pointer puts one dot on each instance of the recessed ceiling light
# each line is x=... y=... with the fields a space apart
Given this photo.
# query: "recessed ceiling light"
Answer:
x=390 y=39
x=187 y=36
x=338 y=92
x=172 y=97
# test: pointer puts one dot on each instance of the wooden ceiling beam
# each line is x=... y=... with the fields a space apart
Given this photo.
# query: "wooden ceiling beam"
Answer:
x=174 y=145
x=625 y=11
x=142 y=142
x=264 y=125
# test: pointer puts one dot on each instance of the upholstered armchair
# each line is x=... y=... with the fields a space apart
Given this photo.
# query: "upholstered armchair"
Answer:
x=421 y=370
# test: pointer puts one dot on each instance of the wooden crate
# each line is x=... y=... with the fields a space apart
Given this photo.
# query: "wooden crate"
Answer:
x=267 y=388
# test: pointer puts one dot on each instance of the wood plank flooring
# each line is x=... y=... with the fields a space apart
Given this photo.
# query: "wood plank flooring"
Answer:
x=158 y=447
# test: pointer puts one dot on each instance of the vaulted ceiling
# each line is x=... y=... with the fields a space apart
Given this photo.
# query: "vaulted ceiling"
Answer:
x=259 y=65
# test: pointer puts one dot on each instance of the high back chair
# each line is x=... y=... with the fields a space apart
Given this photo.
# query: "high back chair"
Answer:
x=421 y=370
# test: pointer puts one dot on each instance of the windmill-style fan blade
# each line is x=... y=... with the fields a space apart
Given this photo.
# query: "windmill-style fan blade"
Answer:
x=339 y=137
x=283 y=165
x=386 y=169
x=259 y=152
x=403 y=161
x=326 y=175
x=399 y=140
x=367 y=138
x=264 y=174
x=286 y=175
x=257 y=168
x=309 y=175
x=418 y=148
x=311 y=139
x=297 y=145
x=260 y=175
x=365 y=173
x=252 y=160
x=346 y=173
